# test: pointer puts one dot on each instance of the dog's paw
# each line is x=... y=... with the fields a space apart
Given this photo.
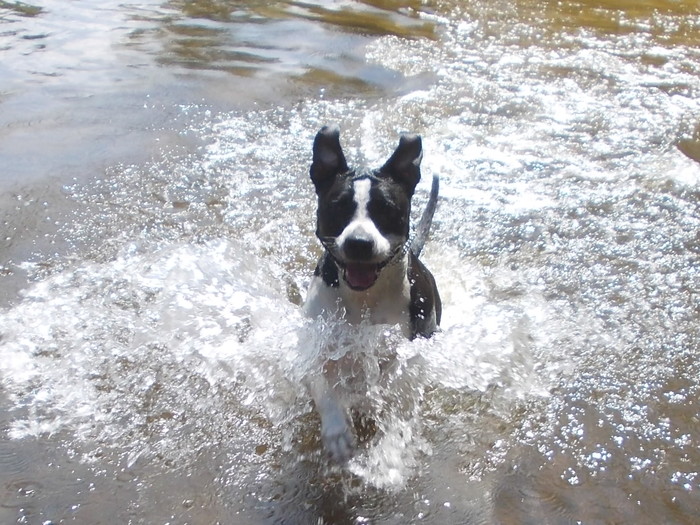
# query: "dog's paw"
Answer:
x=338 y=438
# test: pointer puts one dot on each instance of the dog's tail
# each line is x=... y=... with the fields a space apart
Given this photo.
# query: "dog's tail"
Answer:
x=426 y=219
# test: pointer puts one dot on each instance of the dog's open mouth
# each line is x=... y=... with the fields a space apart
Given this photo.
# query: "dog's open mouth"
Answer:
x=361 y=276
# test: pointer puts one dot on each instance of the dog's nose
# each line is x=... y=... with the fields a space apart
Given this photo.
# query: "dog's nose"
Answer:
x=358 y=248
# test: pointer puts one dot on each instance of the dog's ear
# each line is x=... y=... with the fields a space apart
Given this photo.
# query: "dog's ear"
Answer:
x=404 y=164
x=328 y=159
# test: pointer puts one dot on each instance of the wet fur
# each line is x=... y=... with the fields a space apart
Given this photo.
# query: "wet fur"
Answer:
x=368 y=270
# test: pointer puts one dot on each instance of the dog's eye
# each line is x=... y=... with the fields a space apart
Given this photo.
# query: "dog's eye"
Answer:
x=388 y=217
x=335 y=215
x=344 y=207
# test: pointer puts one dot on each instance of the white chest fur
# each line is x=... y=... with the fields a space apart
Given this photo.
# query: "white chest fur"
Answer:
x=387 y=302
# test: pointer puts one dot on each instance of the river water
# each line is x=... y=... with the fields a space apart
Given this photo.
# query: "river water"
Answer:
x=157 y=239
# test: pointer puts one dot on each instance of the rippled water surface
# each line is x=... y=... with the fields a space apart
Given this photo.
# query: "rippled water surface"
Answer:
x=157 y=241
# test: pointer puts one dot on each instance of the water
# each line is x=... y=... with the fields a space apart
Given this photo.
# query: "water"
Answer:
x=158 y=239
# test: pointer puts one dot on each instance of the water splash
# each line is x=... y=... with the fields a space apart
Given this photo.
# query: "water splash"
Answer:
x=565 y=247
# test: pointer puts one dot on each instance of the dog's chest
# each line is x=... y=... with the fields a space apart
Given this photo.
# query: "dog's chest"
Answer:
x=387 y=302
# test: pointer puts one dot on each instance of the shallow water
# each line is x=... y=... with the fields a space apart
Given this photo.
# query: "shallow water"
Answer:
x=158 y=224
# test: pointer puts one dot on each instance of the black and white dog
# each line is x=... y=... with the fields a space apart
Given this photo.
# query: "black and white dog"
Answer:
x=369 y=270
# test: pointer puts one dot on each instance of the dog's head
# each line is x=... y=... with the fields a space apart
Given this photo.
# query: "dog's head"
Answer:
x=363 y=216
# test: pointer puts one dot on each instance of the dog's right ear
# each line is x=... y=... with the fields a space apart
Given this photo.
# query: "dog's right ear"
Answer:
x=328 y=159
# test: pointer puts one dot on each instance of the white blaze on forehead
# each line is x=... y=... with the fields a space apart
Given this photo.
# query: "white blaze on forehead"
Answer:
x=362 y=188
x=361 y=224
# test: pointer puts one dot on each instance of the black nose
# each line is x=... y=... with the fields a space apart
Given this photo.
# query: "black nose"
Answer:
x=358 y=248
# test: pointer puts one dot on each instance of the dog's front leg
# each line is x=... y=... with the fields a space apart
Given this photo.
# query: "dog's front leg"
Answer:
x=336 y=429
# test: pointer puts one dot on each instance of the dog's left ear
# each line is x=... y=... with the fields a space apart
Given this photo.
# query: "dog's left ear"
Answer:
x=404 y=164
x=328 y=160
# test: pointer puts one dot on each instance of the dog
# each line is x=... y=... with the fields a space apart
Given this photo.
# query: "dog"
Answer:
x=369 y=268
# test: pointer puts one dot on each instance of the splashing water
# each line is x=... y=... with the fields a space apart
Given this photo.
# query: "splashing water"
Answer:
x=165 y=355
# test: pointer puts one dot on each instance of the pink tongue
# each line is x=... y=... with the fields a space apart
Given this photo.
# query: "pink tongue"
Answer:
x=360 y=275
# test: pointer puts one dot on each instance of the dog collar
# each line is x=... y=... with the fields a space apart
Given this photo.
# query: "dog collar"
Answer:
x=329 y=243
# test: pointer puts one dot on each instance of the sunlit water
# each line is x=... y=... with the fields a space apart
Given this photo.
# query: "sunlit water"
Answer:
x=152 y=364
